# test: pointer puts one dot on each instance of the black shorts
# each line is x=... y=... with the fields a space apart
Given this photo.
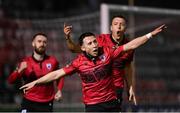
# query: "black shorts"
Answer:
x=31 y=106
x=119 y=93
x=109 y=106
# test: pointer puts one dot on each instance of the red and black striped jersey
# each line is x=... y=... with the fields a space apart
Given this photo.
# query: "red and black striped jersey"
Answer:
x=97 y=82
x=118 y=67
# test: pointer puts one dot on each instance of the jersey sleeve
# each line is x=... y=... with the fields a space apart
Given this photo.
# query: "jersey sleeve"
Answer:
x=117 y=52
x=101 y=39
x=14 y=76
x=72 y=67
x=69 y=69
x=60 y=83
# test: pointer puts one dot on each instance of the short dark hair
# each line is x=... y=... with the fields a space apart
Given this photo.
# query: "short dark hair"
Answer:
x=42 y=34
x=119 y=16
x=83 y=36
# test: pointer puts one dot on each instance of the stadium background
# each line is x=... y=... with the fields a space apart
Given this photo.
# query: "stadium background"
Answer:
x=157 y=62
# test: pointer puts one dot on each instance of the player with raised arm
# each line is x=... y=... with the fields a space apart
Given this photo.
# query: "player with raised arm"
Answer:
x=94 y=69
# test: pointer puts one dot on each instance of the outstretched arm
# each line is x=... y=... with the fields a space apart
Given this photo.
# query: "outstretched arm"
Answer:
x=141 y=40
x=45 y=79
x=137 y=42
x=75 y=48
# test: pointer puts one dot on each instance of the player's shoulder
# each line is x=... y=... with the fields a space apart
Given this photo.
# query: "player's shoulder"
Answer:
x=51 y=57
x=77 y=60
x=103 y=39
x=102 y=36
x=80 y=58
x=107 y=49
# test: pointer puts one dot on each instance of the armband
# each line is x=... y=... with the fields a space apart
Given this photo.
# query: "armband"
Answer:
x=149 y=35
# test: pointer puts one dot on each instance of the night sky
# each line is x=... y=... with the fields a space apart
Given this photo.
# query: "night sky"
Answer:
x=77 y=7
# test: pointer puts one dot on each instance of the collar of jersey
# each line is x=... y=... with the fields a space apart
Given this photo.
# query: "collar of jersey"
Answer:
x=116 y=43
x=45 y=56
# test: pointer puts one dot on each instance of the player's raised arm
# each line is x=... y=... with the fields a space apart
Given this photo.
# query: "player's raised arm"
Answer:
x=141 y=40
x=135 y=43
x=75 y=48
x=17 y=74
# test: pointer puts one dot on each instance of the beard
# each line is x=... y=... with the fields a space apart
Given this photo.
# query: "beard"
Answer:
x=40 y=50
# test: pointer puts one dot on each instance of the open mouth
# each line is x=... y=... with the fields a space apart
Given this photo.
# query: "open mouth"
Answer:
x=118 y=32
x=95 y=50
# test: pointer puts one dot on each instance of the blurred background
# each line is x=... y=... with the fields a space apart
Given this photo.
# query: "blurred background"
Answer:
x=157 y=62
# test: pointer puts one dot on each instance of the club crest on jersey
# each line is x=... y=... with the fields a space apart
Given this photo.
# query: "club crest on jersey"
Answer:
x=102 y=57
x=49 y=66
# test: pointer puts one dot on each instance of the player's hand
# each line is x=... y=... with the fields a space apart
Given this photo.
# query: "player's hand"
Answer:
x=132 y=96
x=22 y=67
x=27 y=86
x=158 y=30
x=58 y=95
x=67 y=30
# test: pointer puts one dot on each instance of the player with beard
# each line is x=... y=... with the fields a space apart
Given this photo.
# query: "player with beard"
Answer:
x=94 y=68
x=39 y=98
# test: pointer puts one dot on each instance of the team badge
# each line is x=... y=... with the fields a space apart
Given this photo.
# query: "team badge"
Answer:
x=49 y=66
x=102 y=57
